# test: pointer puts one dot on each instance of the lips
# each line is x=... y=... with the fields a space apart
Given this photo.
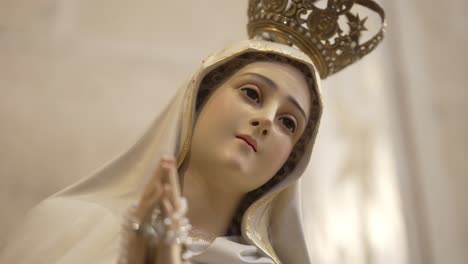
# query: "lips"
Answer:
x=249 y=140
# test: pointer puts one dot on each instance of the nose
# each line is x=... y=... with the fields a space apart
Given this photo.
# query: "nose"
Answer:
x=263 y=124
x=264 y=119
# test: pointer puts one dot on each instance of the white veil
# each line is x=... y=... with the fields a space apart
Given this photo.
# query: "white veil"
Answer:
x=81 y=224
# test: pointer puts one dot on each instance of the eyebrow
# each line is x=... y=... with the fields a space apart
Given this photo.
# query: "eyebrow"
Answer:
x=272 y=84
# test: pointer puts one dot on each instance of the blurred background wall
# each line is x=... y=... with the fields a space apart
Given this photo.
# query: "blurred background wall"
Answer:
x=80 y=81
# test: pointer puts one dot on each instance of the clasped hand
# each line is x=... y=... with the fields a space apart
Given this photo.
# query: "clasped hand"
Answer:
x=163 y=194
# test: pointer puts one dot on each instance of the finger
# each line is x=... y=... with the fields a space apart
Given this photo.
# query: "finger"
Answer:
x=159 y=173
x=166 y=163
x=156 y=196
x=152 y=189
x=153 y=192
x=154 y=182
x=169 y=195
x=158 y=186
x=174 y=194
x=169 y=178
x=166 y=207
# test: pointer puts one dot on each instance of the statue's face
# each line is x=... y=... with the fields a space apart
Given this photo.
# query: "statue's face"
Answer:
x=249 y=125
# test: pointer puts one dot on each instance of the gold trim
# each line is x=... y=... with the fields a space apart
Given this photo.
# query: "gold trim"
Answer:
x=188 y=122
x=253 y=235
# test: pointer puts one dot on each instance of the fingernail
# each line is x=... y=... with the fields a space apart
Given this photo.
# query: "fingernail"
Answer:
x=167 y=159
x=166 y=165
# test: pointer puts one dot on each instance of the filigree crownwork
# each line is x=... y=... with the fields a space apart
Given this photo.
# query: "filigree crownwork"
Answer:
x=276 y=6
x=316 y=31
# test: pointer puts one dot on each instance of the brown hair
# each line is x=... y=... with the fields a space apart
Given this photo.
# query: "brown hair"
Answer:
x=217 y=77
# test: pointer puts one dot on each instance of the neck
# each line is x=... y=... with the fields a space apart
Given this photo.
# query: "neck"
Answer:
x=211 y=208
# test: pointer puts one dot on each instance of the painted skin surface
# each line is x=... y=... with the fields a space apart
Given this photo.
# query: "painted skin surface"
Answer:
x=267 y=101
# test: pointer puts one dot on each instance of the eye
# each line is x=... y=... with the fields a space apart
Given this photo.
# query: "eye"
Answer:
x=252 y=93
x=289 y=123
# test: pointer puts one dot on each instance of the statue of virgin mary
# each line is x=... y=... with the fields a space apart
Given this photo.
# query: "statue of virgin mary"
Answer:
x=244 y=125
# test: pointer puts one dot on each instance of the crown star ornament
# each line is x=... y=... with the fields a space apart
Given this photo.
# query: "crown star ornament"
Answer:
x=318 y=32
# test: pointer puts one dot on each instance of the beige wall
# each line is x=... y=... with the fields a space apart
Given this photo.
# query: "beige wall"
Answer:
x=430 y=88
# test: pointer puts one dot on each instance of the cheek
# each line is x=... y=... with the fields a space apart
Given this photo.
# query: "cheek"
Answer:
x=214 y=108
x=219 y=119
x=216 y=102
x=221 y=102
x=279 y=154
x=227 y=109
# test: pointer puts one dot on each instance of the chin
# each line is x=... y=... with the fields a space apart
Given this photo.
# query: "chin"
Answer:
x=230 y=160
x=236 y=170
x=234 y=161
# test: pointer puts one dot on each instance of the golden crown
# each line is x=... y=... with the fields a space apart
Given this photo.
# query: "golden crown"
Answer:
x=316 y=31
